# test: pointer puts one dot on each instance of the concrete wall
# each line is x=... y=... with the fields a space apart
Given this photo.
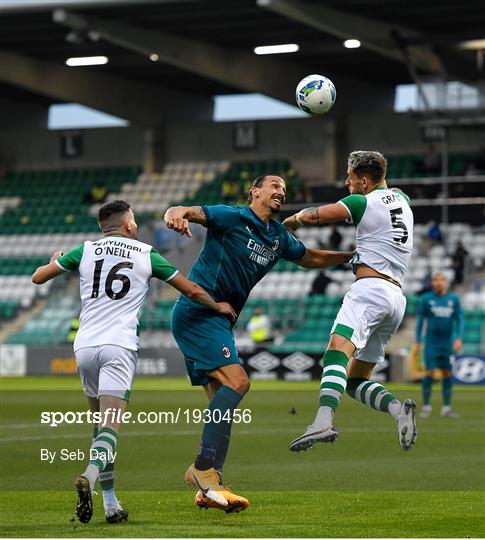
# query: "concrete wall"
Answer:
x=307 y=143
x=310 y=144
x=16 y=114
x=41 y=149
x=401 y=134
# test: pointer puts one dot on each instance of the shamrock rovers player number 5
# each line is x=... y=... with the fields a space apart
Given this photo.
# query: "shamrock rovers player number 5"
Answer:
x=373 y=308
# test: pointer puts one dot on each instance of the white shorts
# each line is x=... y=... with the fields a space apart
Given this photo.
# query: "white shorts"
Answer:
x=106 y=370
x=370 y=315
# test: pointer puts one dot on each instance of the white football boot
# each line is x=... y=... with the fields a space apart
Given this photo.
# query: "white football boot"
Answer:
x=313 y=434
x=406 y=425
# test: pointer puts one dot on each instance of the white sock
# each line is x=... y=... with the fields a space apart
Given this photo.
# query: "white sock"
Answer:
x=110 y=501
x=91 y=473
x=324 y=417
x=395 y=408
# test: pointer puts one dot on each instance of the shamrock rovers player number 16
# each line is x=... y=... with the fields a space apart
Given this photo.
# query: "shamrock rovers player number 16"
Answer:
x=114 y=274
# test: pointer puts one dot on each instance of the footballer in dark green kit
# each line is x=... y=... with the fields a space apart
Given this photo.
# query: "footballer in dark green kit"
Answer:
x=242 y=244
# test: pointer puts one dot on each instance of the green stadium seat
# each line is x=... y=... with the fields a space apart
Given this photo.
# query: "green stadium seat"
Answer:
x=48 y=195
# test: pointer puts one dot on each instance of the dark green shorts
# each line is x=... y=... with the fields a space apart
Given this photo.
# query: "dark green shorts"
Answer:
x=437 y=360
x=205 y=339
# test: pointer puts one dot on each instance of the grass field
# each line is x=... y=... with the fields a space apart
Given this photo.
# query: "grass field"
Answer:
x=362 y=486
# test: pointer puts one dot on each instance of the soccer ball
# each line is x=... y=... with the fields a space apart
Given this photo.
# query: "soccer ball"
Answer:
x=315 y=94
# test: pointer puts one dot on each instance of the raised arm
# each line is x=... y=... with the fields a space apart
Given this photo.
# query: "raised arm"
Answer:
x=317 y=258
x=329 y=213
x=179 y=217
x=48 y=271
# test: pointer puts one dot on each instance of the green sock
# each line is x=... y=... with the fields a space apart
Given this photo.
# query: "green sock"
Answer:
x=334 y=378
x=103 y=448
x=427 y=387
x=222 y=452
x=446 y=386
x=107 y=476
x=373 y=394
x=218 y=427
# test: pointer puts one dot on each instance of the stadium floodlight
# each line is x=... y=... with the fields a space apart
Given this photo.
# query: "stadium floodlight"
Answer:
x=351 y=43
x=154 y=57
x=87 y=61
x=277 y=49
x=473 y=45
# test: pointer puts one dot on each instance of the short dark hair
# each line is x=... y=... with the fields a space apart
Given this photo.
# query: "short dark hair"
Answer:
x=107 y=211
x=368 y=163
x=257 y=182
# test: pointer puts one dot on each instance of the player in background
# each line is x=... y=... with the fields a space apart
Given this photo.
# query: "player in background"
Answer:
x=242 y=244
x=444 y=330
x=114 y=276
x=373 y=308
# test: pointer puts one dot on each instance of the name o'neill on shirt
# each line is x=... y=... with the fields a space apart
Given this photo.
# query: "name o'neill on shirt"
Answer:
x=259 y=253
x=114 y=247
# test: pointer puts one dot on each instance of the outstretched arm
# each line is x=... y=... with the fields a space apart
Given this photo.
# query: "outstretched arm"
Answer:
x=197 y=294
x=179 y=217
x=48 y=271
x=329 y=213
x=317 y=258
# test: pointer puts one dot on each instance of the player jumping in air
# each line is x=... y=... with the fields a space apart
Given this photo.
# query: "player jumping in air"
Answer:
x=373 y=308
x=442 y=311
x=242 y=245
x=114 y=275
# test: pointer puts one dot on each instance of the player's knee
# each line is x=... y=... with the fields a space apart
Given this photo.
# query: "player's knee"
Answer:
x=446 y=373
x=245 y=385
x=241 y=384
x=429 y=374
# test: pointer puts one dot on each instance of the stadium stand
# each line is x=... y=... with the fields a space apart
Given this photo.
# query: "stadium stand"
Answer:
x=21 y=290
x=34 y=204
x=178 y=180
x=56 y=200
x=41 y=245
x=240 y=172
x=411 y=165
x=51 y=325
x=8 y=309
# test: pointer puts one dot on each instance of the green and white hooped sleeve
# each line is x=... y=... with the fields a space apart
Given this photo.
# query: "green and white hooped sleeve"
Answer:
x=355 y=205
x=161 y=268
x=71 y=260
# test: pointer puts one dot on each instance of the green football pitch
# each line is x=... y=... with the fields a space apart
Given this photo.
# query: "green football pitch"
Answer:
x=362 y=486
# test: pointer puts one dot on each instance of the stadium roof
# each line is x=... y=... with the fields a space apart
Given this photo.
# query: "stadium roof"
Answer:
x=205 y=47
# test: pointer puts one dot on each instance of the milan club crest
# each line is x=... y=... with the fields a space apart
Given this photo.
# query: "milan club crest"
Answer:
x=226 y=352
x=275 y=245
